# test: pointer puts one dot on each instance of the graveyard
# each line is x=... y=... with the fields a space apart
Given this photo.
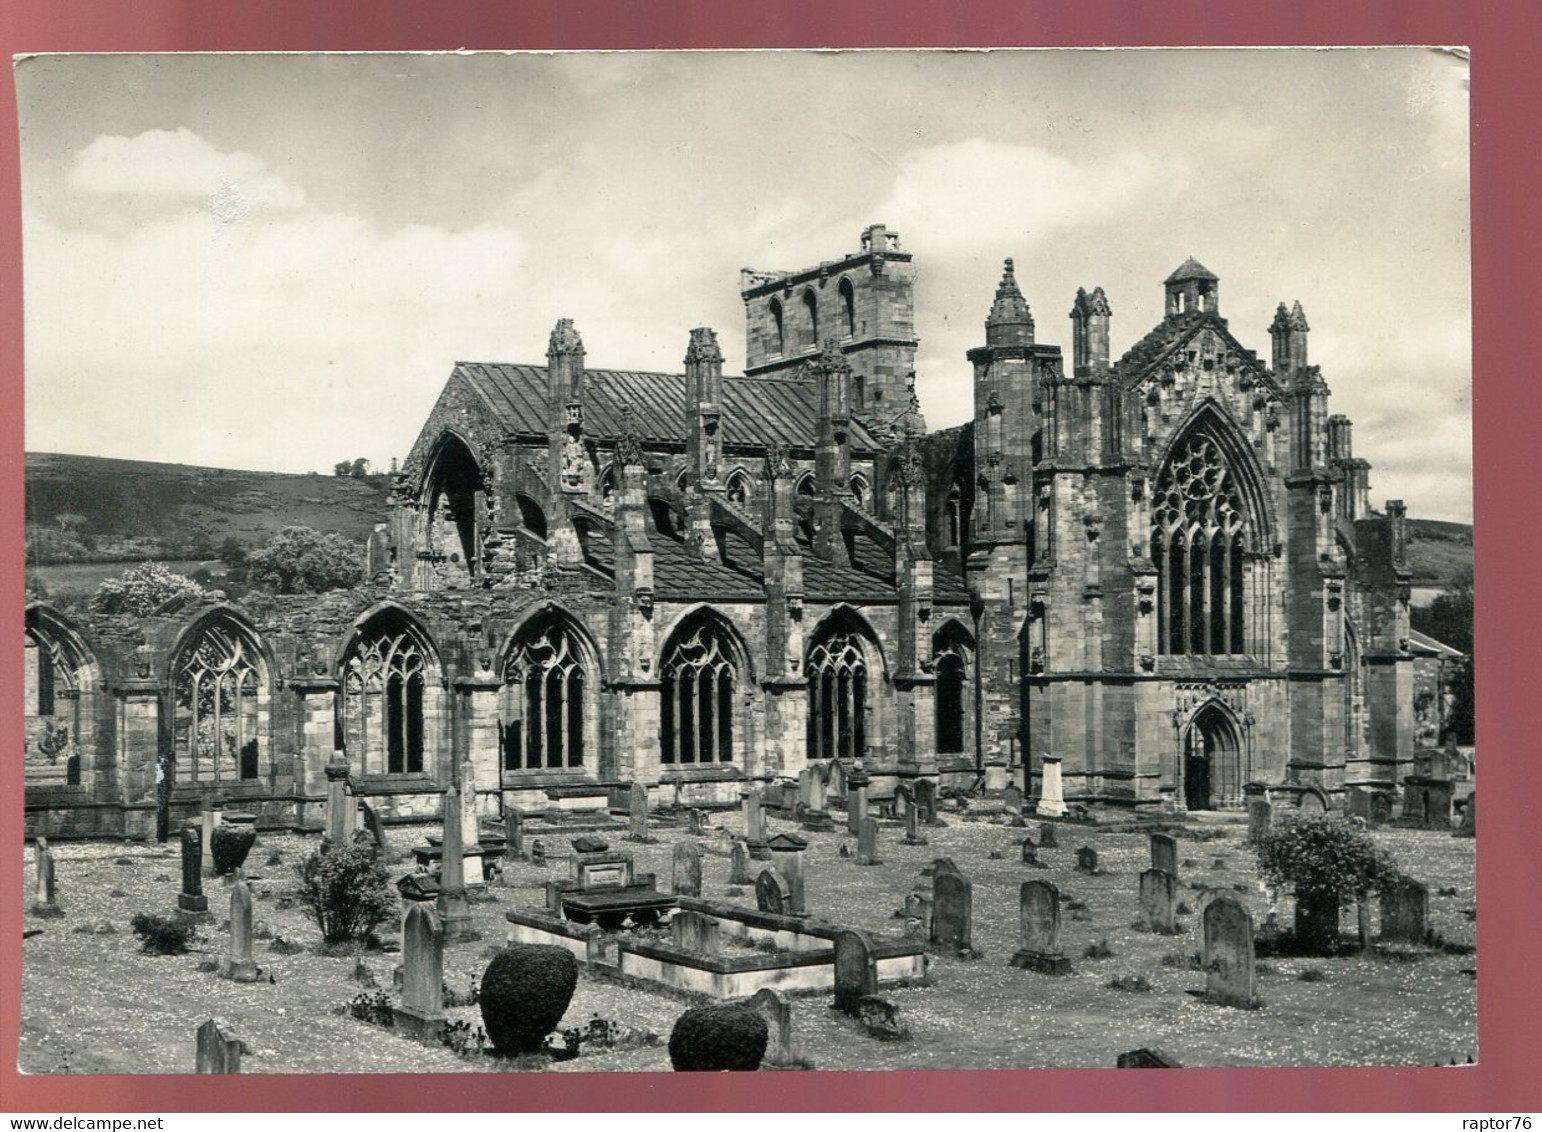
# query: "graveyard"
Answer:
x=1097 y=938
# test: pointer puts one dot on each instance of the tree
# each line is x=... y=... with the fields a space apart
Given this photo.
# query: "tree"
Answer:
x=360 y=468
x=300 y=560
x=232 y=553
x=1325 y=859
x=345 y=890
x=143 y=589
x=343 y=468
x=1449 y=620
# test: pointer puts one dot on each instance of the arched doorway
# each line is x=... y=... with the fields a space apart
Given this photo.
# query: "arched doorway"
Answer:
x=1212 y=760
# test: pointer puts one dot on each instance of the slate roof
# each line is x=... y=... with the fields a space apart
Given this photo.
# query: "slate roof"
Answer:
x=1423 y=642
x=1191 y=268
x=757 y=411
x=679 y=574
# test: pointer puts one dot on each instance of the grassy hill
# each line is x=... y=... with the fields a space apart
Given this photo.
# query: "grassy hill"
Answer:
x=87 y=515
x=1438 y=551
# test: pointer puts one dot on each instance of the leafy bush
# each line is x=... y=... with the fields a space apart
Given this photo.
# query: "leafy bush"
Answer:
x=1323 y=854
x=345 y=890
x=717 y=1037
x=143 y=589
x=376 y=1009
x=300 y=560
x=524 y=994
x=163 y=935
x=1098 y=950
x=1135 y=984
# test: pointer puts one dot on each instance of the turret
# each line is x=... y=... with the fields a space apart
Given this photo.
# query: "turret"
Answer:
x=1009 y=323
x=570 y=471
x=1090 y=316
x=832 y=447
x=1193 y=288
x=703 y=404
x=1288 y=334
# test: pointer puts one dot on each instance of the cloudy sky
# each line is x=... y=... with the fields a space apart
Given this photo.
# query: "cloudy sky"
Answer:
x=273 y=261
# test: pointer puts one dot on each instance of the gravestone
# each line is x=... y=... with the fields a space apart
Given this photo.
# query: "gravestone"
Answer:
x=454 y=909
x=786 y=850
x=1048 y=838
x=513 y=836
x=686 y=878
x=1164 y=853
x=912 y=815
x=421 y=1013
x=918 y=907
x=695 y=823
x=926 y=800
x=739 y=863
x=45 y=902
x=372 y=823
x=1146 y=1058
x=1039 y=928
x=1159 y=901
x=1087 y=860
x=1051 y=796
x=692 y=931
x=191 y=902
x=1260 y=818
x=776 y=1008
x=1405 y=911
x=1031 y=854
x=771 y=893
x=1317 y=921
x=1468 y=827
x=952 y=912
x=238 y=963
x=1381 y=807
x=1012 y=799
x=835 y=780
x=218 y=1051
x=856 y=971
x=856 y=800
x=209 y=817
x=942 y=865
x=867 y=843
x=637 y=809
x=1231 y=978
x=754 y=818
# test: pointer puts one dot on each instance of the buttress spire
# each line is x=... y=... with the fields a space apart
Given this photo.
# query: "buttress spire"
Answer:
x=1009 y=323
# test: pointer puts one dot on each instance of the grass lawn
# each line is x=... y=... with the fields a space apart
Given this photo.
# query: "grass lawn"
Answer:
x=92 y=1002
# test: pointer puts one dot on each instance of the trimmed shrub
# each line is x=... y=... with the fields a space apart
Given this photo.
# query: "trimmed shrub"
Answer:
x=229 y=845
x=524 y=994
x=1327 y=860
x=345 y=891
x=718 y=1037
x=163 y=935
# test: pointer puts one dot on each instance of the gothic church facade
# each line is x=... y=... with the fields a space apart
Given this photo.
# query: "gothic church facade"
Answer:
x=1161 y=570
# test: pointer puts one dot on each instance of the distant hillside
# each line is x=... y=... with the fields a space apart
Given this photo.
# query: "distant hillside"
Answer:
x=88 y=509
x=1438 y=551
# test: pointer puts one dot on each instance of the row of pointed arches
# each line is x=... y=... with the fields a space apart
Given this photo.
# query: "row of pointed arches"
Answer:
x=796 y=327
x=217 y=687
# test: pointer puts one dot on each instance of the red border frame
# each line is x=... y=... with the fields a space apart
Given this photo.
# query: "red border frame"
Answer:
x=1505 y=36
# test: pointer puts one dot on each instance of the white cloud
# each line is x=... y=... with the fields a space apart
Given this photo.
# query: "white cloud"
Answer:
x=180 y=165
x=972 y=194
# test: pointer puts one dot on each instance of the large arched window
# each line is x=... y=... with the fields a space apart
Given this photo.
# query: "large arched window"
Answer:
x=953 y=656
x=953 y=518
x=386 y=679
x=778 y=331
x=219 y=691
x=549 y=708
x=1200 y=529
x=454 y=489
x=59 y=679
x=839 y=690
x=848 y=309
x=698 y=680
x=810 y=320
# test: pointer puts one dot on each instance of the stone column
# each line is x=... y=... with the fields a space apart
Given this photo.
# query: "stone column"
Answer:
x=340 y=806
x=454 y=911
x=317 y=713
x=191 y=902
x=1051 y=799
x=787 y=859
x=138 y=755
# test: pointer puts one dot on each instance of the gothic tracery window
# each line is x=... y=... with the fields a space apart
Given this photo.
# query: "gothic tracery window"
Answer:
x=1199 y=532
x=384 y=684
x=53 y=679
x=697 y=696
x=838 y=692
x=546 y=699
x=216 y=683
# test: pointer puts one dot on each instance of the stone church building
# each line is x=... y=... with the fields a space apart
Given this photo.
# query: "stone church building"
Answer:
x=1160 y=569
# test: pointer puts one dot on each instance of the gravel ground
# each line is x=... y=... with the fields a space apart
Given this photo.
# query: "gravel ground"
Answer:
x=92 y=1002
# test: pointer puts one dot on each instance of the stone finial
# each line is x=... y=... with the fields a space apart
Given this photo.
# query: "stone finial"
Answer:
x=703 y=346
x=777 y=465
x=1009 y=322
x=832 y=357
x=564 y=339
x=1281 y=319
x=1297 y=316
x=1097 y=303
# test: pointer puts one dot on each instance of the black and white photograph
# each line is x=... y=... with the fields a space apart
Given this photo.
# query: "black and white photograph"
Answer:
x=747 y=560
